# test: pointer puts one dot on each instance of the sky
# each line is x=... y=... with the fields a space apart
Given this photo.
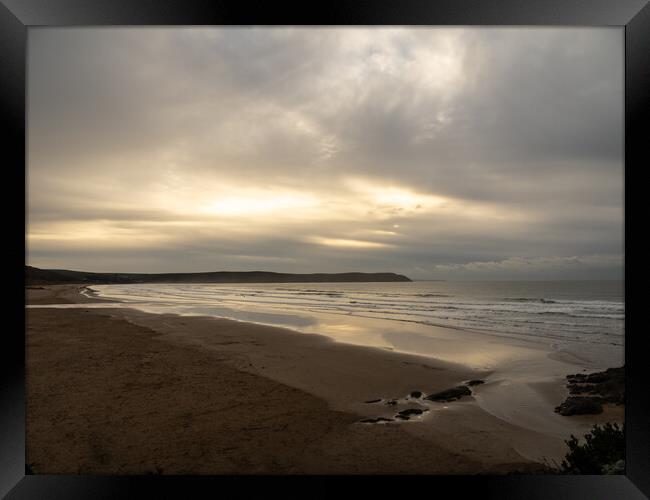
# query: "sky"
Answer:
x=438 y=153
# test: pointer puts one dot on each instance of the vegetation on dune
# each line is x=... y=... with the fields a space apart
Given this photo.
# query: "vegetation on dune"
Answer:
x=602 y=452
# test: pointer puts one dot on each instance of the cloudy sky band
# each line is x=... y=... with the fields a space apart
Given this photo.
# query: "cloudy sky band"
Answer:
x=414 y=150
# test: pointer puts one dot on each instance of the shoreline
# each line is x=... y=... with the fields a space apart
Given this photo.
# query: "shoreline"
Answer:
x=343 y=377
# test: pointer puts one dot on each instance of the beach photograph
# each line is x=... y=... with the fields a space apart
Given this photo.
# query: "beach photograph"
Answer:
x=325 y=251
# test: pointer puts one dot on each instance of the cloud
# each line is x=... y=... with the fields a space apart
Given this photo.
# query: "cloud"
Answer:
x=334 y=242
x=430 y=146
x=540 y=266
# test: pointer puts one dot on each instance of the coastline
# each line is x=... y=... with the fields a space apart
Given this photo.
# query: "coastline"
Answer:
x=318 y=387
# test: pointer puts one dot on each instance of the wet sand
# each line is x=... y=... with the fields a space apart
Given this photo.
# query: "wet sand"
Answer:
x=119 y=391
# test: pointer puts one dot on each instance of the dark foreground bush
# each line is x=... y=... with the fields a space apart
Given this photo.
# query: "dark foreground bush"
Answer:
x=603 y=452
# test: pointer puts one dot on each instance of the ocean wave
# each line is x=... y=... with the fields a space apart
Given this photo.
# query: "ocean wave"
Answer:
x=590 y=317
x=527 y=299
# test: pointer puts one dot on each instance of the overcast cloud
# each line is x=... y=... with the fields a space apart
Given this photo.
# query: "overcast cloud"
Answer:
x=437 y=153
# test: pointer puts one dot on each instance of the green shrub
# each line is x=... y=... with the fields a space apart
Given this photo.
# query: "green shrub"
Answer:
x=603 y=452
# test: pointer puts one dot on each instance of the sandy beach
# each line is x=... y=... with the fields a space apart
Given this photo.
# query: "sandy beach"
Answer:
x=119 y=391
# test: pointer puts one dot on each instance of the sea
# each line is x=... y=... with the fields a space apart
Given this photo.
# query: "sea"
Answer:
x=556 y=313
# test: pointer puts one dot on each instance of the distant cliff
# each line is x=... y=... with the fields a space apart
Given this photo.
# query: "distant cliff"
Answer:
x=36 y=276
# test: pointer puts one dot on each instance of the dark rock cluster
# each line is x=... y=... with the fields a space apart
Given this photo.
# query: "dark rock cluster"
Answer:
x=588 y=392
x=411 y=411
x=580 y=406
x=450 y=394
x=609 y=385
x=443 y=396
x=375 y=420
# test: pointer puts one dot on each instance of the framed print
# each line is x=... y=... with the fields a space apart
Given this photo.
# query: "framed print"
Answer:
x=327 y=244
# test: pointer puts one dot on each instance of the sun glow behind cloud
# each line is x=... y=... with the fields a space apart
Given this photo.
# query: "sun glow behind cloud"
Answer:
x=264 y=204
x=393 y=197
x=343 y=243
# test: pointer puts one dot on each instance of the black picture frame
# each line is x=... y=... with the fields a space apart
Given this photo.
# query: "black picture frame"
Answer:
x=17 y=16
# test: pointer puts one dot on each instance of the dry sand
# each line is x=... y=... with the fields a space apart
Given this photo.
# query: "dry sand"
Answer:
x=119 y=391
